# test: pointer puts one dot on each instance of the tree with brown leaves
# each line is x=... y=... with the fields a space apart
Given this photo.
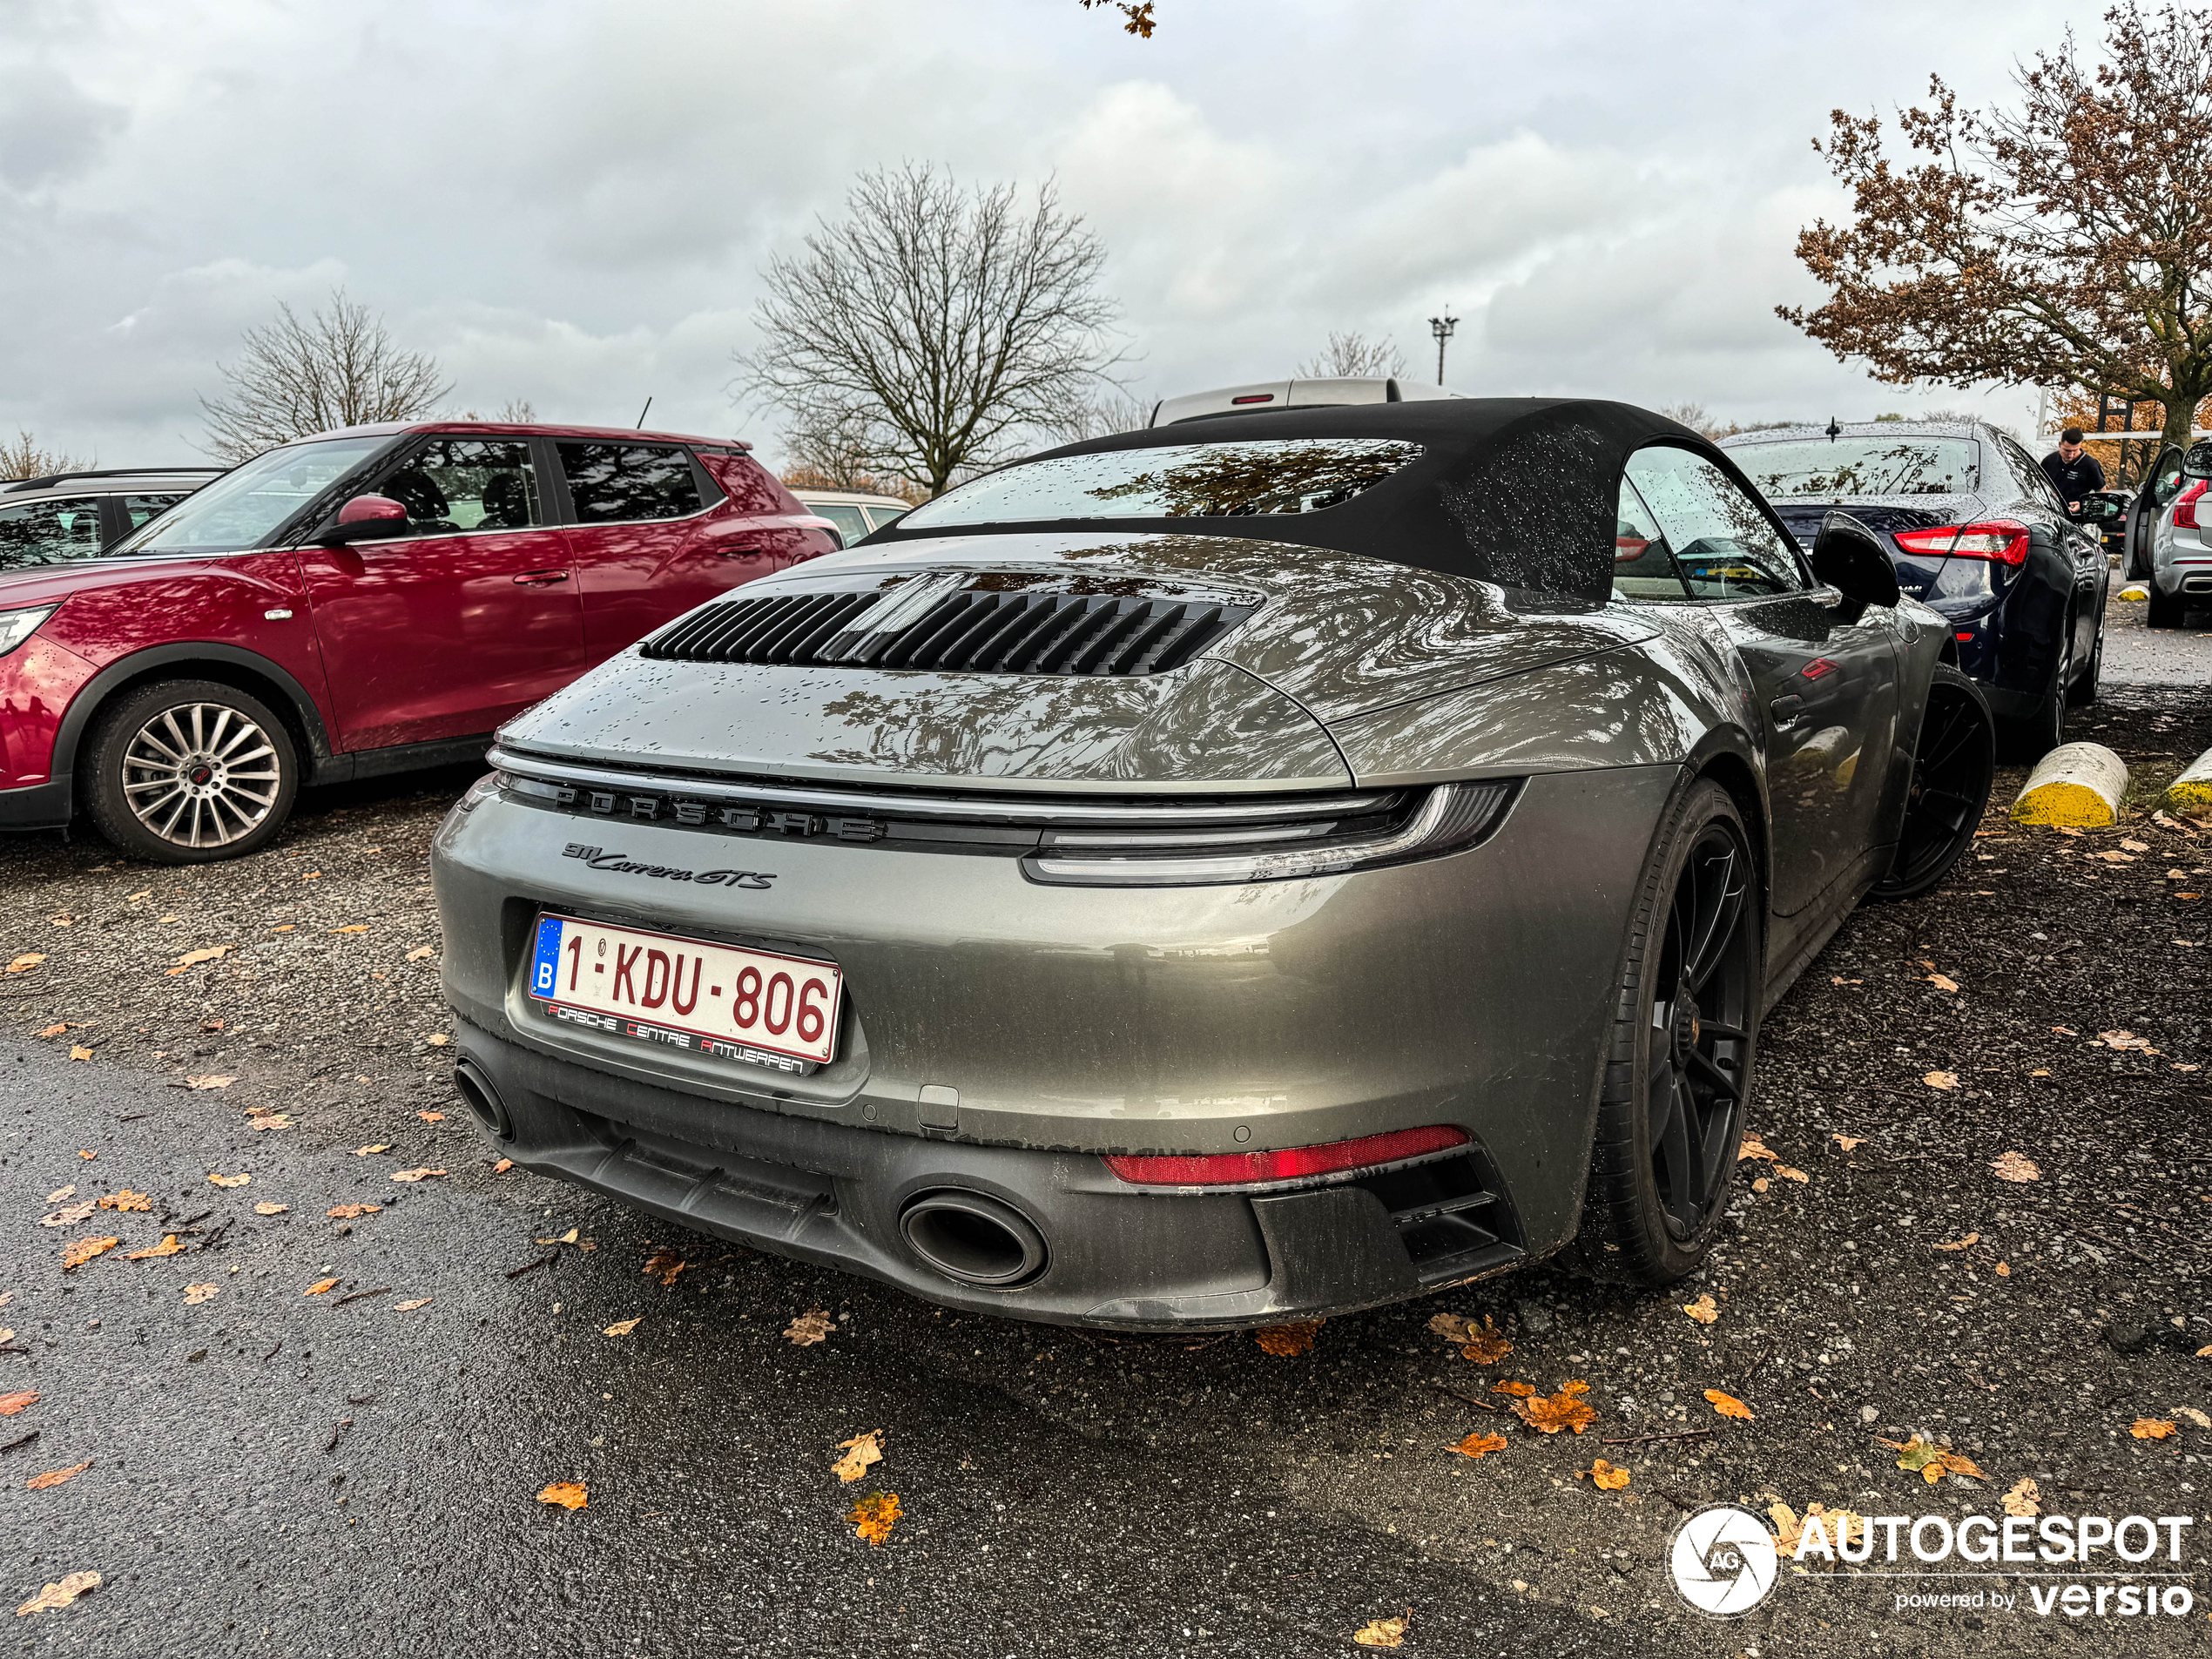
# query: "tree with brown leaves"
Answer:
x=2062 y=240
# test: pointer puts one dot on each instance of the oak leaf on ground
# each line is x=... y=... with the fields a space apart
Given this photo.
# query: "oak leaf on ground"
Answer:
x=1753 y=1147
x=60 y=1594
x=169 y=1245
x=70 y=1217
x=79 y=1051
x=127 y=1199
x=860 y=1451
x=230 y=1180
x=83 y=1249
x=272 y=1208
x=1609 y=1477
x=1941 y=1079
x=2015 y=1167
x=1704 y=1309
x=570 y=1494
x=2151 y=1428
x=1967 y=1243
x=10 y=1404
x=1837 y=1526
x=1728 y=1405
x=60 y=1028
x=810 y=1327
x=1565 y=1409
x=875 y=1515
x=352 y=1211
x=415 y=1175
x=1931 y=1461
x=665 y=1264
x=56 y=1477
x=25 y=962
x=1284 y=1341
x=1519 y=1390
x=211 y=1081
x=195 y=1294
x=409 y=1307
x=1383 y=1633
x=192 y=958
x=320 y=1287
x=620 y=1328
x=1479 y=1444
x=2025 y=1499
x=1849 y=1142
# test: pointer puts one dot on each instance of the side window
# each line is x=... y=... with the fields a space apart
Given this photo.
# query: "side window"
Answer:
x=611 y=483
x=1725 y=545
x=138 y=509
x=49 y=532
x=2166 y=483
x=880 y=517
x=454 y=486
x=2034 y=483
x=1644 y=565
x=846 y=515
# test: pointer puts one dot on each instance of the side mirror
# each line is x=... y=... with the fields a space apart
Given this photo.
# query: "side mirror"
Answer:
x=366 y=518
x=1852 y=559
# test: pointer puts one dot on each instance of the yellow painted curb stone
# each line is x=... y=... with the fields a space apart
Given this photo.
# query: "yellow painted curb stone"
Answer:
x=2135 y=592
x=2191 y=793
x=2079 y=784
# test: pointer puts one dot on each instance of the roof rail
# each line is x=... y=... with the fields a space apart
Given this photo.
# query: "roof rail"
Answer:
x=105 y=472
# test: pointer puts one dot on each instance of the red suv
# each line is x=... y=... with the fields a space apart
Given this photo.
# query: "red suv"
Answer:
x=362 y=601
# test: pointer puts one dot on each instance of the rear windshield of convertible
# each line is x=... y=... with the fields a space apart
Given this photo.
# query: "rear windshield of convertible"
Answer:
x=1258 y=478
x=1862 y=466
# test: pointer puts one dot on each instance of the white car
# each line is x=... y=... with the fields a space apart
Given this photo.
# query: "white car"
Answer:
x=855 y=512
x=2169 y=533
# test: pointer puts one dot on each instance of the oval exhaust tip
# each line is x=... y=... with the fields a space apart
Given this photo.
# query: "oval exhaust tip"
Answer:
x=975 y=1239
x=481 y=1097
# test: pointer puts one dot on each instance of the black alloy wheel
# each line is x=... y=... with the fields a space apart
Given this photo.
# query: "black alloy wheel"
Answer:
x=1953 y=763
x=2033 y=735
x=1671 y=1114
x=1700 y=1031
x=2084 y=691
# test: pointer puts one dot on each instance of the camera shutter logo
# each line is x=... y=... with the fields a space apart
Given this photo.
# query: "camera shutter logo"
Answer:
x=1724 y=1561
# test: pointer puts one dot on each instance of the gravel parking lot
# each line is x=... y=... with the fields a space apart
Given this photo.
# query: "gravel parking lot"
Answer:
x=275 y=1473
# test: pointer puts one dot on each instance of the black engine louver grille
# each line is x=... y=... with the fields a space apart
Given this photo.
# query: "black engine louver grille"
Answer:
x=970 y=632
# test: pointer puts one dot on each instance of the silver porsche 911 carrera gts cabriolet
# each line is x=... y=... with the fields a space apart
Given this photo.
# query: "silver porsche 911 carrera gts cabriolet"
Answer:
x=1250 y=869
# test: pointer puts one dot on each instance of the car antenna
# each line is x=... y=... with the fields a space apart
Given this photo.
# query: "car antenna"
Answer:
x=1834 y=431
x=642 y=413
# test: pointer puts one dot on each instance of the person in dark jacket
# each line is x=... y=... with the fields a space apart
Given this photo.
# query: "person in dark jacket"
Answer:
x=2073 y=472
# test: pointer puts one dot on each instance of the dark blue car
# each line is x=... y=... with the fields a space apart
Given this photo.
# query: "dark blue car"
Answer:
x=1977 y=533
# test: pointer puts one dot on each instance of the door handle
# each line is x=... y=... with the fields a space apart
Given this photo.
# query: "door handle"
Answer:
x=539 y=578
x=741 y=551
x=1786 y=710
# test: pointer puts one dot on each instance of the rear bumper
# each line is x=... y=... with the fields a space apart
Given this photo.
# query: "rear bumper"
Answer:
x=48 y=805
x=1115 y=1256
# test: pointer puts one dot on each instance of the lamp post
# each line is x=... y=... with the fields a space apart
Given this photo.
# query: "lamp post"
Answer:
x=1442 y=328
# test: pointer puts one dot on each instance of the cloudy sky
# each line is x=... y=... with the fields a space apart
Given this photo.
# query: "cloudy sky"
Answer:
x=568 y=202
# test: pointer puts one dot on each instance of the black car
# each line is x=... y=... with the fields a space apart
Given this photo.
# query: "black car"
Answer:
x=1977 y=533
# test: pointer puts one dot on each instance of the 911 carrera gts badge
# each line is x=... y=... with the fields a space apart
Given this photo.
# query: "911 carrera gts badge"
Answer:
x=616 y=864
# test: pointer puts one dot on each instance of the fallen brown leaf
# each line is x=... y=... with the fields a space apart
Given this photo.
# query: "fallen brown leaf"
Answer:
x=1519 y=1390
x=1609 y=1477
x=419 y=1302
x=70 y=1217
x=353 y=1211
x=1943 y=982
x=168 y=1246
x=1753 y=1147
x=10 y=1404
x=2013 y=1166
x=2025 y=1499
x=665 y=1264
x=2151 y=1428
x=57 y=1477
x=272 y=1208
x=1704 y=1310
x=210 y=1081
x=319 y=1286
x=193 y=958
x=1931 y=1461
x=1383 y=1633
x=60 y=1028
x=860 y=1451
x=503 y=1166
x=1285 y=1341
x=60 y=1193
x=60 y=1594
x=620 y=1328
x=432 y=1117
x=1477 y=1444
x=365 y=1151
x=1728 y=1405
x=230 y=1180
x=83 y=1249
x=1789 y=1174
x=875 y=1515
x=268 y=1120
x=1941 y=1079
x=25 y=962
x=1565 y=1409
x=1849 y=1142
x=415 y=1175
x=570 y=1494
x=195 y=1294
x=810 y=1327
x=127 y=1200
x=1967 y=1243
x=421 y=953
x=79 y=1051
x=358 y=927
x=437 y=1040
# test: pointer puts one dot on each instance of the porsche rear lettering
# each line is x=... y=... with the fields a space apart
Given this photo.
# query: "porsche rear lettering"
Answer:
x=616 y=864
x=694 y=814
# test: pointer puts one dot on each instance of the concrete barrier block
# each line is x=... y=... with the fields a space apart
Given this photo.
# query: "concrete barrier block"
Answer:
x=2079 y=784
x=2191 y=793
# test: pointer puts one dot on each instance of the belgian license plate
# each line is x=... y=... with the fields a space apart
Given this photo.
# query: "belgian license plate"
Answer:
x=754 y=1006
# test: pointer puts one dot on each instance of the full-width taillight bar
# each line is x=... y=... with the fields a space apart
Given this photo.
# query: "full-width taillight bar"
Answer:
x=1291 y=1163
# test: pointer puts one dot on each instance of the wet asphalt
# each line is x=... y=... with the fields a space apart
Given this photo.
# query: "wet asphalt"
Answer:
x=277 y=1472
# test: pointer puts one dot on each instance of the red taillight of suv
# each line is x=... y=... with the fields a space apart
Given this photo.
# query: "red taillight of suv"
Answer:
x=2185 y=505
x=1234 y=1169
x=2003 y=540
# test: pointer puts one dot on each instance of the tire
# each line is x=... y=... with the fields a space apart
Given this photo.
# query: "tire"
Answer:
x=1953 y=759
x=1678 y=1072
x=187 y=772
x=2161 y=612
x=2033 y=736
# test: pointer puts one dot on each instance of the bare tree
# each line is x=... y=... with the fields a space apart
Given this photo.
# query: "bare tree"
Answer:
x=27 y=458
x=932 y=326
x=1351 y=355
x=1096 y=417
x=339 y=368
x=1694 y=417
x=515 y=411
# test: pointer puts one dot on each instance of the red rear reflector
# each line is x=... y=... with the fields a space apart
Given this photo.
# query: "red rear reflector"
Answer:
x=2185 y=505
x=1234 y=1169
x=2002 y=540
x=1966 y=633
x=1627 y=548
x=1254 y=397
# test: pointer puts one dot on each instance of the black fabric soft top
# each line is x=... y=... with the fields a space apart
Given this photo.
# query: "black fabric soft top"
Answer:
x=1521 y=492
